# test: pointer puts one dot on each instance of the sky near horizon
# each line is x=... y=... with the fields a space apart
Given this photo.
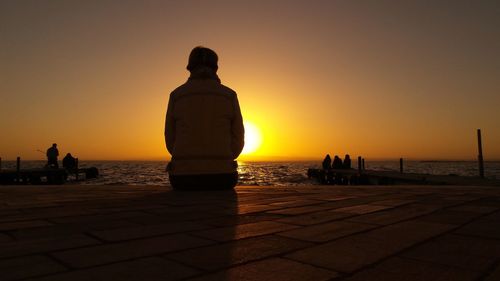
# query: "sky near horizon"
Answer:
x=381 y=79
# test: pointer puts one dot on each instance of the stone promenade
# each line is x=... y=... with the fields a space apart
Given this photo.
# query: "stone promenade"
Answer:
x=319 y=233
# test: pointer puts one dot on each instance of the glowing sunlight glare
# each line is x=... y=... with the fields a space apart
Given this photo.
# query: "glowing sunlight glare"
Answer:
x=253 y=138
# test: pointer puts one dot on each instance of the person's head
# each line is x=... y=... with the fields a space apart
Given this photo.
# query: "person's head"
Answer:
x=54 y=145
x=202 y=57
x=69 y=154
x=347 y=156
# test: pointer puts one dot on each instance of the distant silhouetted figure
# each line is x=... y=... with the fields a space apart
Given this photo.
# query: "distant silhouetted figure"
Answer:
x=204 y=130
x=69 y=162
x=337 y=162
x=52 y=154
x=347 y=162
x=327 y=162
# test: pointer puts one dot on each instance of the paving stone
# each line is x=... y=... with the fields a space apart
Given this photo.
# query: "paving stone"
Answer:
x=96 y=218
x=494 y=275
x=487 y=226
x=22 y=224
x=493 y=201
x=295 y=203
x=236 y=252
x=46 y=213
x=300 y=210
x=326 y=197
x=393 y=202
x=247 y=209
x=275 y=269
x=244 y=230
x=362 y=209
x=353 y=252
x=120 y=234
x=397 y=269
x=327 y=231
x=28 y=266
x=44 y=245
x=5 y=238
x=460 y=251
x=171 y=218
x=441 y=202
x=352 y=202
x=241 y=219
x=196 y=209
x=448 y=216
x=473 y=208
x=154 y=269
x=63 y=230
x=396 y=214
x=102 y=254
x=315 y=218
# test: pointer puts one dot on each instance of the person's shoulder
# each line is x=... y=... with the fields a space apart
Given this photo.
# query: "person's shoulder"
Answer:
x=178 y=91
x=228 y=91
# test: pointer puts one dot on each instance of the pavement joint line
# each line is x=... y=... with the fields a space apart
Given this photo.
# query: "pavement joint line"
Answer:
x=315 y=265
x=490 y=270
x=433 y=263
x=477 y=236
x=87 y=233
x=53 y=258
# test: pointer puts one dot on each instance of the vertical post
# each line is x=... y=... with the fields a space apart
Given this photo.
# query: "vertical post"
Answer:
x=76 y=168
x=401 y=165
x=480 y=155
x=359 y=164
x=18 y=168
x=0 y=163
x=363 y=163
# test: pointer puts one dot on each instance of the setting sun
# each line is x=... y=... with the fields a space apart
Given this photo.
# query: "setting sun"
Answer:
x=253 y=138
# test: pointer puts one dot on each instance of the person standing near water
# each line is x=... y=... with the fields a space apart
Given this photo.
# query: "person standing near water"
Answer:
x=204 y=130
x=52 y=154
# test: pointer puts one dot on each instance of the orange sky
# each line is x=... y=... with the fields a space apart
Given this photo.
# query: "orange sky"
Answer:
x=382 y=79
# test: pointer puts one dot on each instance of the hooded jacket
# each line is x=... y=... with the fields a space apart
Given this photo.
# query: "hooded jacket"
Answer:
x=204 y=130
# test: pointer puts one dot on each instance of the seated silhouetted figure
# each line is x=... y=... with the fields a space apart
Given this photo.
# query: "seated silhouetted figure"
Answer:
x=204 y=130
x=52 y=154
x=337 y=162
x=69 y=162
x=347 y=162
x=327 y=162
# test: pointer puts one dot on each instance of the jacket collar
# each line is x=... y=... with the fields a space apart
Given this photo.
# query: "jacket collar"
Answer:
x=204 y=73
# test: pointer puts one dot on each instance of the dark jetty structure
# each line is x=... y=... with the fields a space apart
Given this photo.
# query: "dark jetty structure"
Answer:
x=45 y=175
x=375 y=177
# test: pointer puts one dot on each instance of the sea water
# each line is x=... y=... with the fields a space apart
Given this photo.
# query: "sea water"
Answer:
x=260 y=173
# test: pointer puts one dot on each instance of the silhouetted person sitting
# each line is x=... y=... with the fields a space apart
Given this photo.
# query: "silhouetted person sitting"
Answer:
x=327 y=162
x=204 y=130
x=69 y=162
x=52 y=154
x=347 y=162
x=337 y=162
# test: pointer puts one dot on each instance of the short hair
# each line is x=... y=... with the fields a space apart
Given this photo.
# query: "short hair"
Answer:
x=54 y=144
x=201 y=56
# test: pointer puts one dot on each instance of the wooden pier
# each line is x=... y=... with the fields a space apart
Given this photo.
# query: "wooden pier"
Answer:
x=45 y=175
x=374 y=177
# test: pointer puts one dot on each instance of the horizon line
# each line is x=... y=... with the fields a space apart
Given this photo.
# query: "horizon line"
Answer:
x=283 y=159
